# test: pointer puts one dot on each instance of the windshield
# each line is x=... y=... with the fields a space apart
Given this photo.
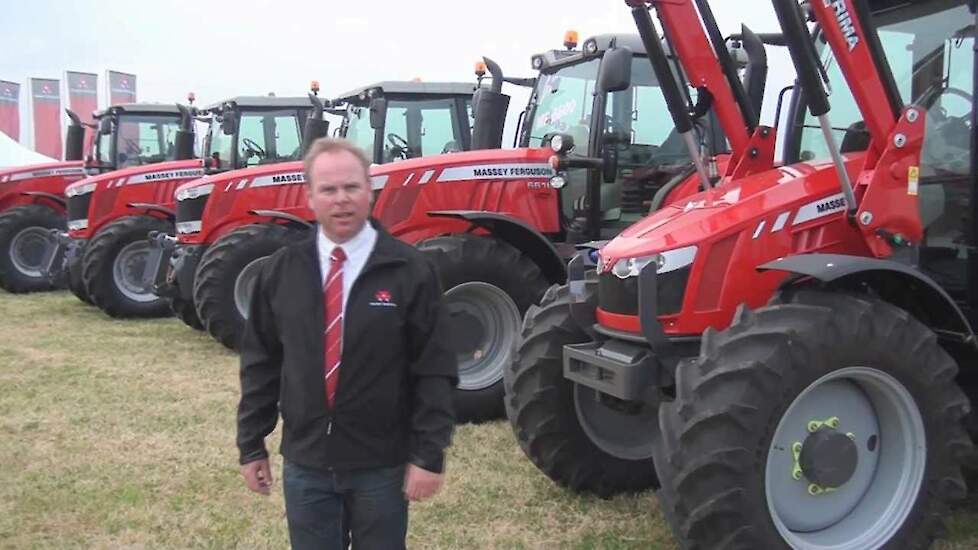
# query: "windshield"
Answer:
x=929 y=54
x=263 y=137
x=413 y=128
x=145 y=139
x=219 y=145
x=563 y=102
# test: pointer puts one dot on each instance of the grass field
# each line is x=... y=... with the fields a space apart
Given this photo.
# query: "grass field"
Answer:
x=120 y=434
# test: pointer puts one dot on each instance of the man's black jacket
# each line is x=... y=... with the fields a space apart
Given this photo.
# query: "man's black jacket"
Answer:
x=394 y=396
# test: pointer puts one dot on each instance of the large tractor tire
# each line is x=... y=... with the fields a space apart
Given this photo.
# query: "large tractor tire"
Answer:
x=73 y=275
x=565 y=430
x=226 y=277
x=823 y=420
x=114 y=268
x=488 y=286
x=24 y=241
x=186 y=312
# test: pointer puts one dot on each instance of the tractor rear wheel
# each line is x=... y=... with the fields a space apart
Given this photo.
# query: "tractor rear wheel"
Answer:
x=226 y=277
x=114 y=268
x=488 y=286
x=24 y=242
x=562 y=427
x=822 y=420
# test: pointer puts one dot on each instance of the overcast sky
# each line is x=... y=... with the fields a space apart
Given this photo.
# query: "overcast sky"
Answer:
x=222 y=48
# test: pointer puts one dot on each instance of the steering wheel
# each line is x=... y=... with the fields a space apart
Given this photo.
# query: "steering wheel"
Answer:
x=253 y=147
x=397 y=141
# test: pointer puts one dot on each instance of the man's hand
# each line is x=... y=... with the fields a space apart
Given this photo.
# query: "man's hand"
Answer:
x=420 y=484
x=258 y=476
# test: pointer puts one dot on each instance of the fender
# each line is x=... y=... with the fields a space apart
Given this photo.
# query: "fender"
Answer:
x=280 y=216
x=170 y=214
x=913 y=290
x=50 y=196
x=519 y=235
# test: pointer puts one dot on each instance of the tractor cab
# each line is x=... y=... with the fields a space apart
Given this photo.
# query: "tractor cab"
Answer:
x=606 y=104
x=135 y=134
x=254 y=131
x=393 y=120
x=930 y=50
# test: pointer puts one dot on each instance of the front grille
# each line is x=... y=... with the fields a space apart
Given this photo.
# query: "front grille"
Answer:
x=191 y=210
x=78 y=206
x=621 y=295
x=618 y=295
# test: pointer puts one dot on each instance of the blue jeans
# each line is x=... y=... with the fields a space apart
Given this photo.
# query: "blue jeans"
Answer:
x=371 y=501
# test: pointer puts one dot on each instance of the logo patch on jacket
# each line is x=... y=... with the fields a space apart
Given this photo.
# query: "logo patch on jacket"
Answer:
x=382 y=298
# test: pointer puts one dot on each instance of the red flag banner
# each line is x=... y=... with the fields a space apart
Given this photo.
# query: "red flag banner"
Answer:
x=82 y=94
x=122 y=88
x=10 y=109
x=46 y=110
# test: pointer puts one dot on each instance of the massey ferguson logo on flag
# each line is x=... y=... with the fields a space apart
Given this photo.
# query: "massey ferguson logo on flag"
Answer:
x=10 y=109
x=82 y=94
x=46 y=111
x=122 y=88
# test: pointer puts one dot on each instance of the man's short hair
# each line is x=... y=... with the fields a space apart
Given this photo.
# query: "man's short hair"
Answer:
x=334 y=145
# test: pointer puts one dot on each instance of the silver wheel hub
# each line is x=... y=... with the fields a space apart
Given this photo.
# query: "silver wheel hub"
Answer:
x=487 y=322
x=28 y=249
x=846 y=462
x=129 y=272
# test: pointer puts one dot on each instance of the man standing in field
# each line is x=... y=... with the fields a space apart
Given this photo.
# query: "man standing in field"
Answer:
x=345 y=337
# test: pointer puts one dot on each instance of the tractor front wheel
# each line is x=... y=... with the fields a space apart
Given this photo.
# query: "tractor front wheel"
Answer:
x=226 y=277
x=25 y=240
x=488 y=286
x=114 y=268
x=822 y=420
x=568 y=431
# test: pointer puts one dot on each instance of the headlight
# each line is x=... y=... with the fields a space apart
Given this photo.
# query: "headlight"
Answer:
x=194 y=192
x=83 y=189
x=667 y=261
x=557 y=182
x=537 y=62
x=591 y=47
x=561 y=143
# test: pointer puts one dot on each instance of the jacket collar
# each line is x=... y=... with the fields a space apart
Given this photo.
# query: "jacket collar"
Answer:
x=384 y=252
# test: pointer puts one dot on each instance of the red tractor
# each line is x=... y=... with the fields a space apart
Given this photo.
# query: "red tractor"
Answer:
x=121 y=208
x=135 y=154
x=227 y=224
x=32 y=203
x=500 y=228
x=791 y=349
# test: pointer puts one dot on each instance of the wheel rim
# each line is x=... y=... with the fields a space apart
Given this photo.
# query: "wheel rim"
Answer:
x=622 y=433
x=487 y=322
x=890 y=444
x=128 y=270
x=27 y=250
x=244 y=285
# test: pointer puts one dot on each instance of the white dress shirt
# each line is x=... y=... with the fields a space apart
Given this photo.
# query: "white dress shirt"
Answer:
x=357 y=251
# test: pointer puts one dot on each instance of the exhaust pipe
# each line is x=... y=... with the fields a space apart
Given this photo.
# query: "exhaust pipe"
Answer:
x=490 y=106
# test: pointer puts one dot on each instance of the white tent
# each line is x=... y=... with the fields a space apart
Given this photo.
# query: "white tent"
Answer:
x=15 y=154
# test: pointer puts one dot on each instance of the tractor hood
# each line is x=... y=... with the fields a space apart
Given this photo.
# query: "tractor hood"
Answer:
x=733 y=207
x=282 y=173
x=494 y=164
x=177 y=169
x=20 y=173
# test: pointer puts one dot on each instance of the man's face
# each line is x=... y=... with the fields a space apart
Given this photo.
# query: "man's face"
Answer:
x=339 y=194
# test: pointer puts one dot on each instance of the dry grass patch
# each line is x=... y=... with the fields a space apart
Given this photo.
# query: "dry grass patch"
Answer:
x=120 y=434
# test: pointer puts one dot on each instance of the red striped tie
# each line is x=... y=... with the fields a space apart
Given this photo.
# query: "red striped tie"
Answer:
x=333 y=314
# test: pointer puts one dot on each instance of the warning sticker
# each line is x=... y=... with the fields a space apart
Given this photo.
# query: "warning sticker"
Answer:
x=913 y=180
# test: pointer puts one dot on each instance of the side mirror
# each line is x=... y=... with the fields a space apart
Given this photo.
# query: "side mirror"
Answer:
x=615 y=73
x=378 y=112
x=229 y=122
x=105 y=125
